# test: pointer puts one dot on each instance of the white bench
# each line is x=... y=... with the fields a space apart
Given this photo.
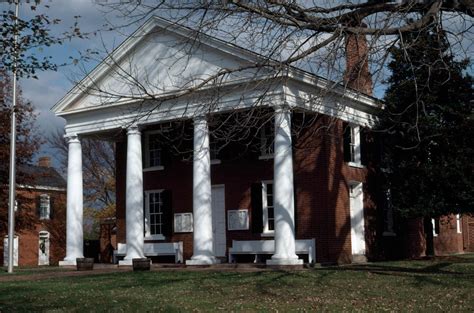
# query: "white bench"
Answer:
x=303 y=246
x=155 y=249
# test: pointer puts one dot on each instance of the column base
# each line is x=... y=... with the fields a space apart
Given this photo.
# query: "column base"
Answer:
x=359 y=258
x=203 y=260
x=68 y=262
x=125 y=262
x=279 y=262
x=129 y=262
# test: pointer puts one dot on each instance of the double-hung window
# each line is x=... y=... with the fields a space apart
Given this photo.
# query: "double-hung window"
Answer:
x=154 y=209
x=153 y=152
x=214 y=150
x=352 y=153
x=268 y=208
x=44 y=207
x=267 y=137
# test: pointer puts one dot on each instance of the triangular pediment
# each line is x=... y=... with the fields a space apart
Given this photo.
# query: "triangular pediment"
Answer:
x=159 y=59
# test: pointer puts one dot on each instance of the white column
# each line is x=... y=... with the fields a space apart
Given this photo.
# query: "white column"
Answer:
x=134 y=198
x=203 y=252
x=74 y=232
x=283 y=192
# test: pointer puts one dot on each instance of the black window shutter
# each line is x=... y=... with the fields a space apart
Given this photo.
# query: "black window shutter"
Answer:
x=38 y=206
x=145 y=199
x=51 y=208
x=295 y=214
x=257 y=212
x=165 y=156
x=363 y=146
x=347 y=142
x=167 y=217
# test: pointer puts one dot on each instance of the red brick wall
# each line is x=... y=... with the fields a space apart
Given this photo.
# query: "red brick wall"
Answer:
x=357 y=74
x=449 y=240
x=28 y=227
x=321 y=180
x=468 y=232
x=411 y=241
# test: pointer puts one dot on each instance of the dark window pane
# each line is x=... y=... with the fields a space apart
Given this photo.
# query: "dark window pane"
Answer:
x=270 y=213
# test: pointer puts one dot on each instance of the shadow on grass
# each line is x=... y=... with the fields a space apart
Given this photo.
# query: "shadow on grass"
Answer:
x=178 y=290
x=437 y=271
x=440 y=268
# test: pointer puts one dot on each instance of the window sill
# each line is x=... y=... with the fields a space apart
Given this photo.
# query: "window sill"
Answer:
x=389 y=234
x=154 y=237
x=268 y=234
x=266 y=157
x=154 y=168
x=215 y=162
x=44 y=218
x=357 y=165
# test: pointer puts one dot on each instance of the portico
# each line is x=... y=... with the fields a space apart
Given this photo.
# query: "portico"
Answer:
x=202 y=211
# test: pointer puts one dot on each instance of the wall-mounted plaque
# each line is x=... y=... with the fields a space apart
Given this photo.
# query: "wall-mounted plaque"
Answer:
x=238 y=219
x=183 y=222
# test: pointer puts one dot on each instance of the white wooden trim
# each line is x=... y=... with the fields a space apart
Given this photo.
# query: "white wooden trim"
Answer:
x=458 y=224
x=236 y=52
x=357 y=165
x=154 y=168
x=433 y=223
x=39 y=187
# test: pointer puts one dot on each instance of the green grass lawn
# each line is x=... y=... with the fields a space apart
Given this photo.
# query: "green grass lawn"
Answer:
x=446 y=284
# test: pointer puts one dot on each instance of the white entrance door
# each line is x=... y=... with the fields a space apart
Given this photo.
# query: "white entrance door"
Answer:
x=357 y=218
x=43 y=250
x=218 y=220
x=15 y=251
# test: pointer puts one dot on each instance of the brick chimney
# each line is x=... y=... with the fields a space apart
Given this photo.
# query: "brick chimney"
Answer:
x=357 y=74
x=44 y=161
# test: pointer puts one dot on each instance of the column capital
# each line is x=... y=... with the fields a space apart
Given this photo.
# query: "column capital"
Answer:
x=72 y=138
x=133 y=130
x=200 y=119
x=282 y=108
